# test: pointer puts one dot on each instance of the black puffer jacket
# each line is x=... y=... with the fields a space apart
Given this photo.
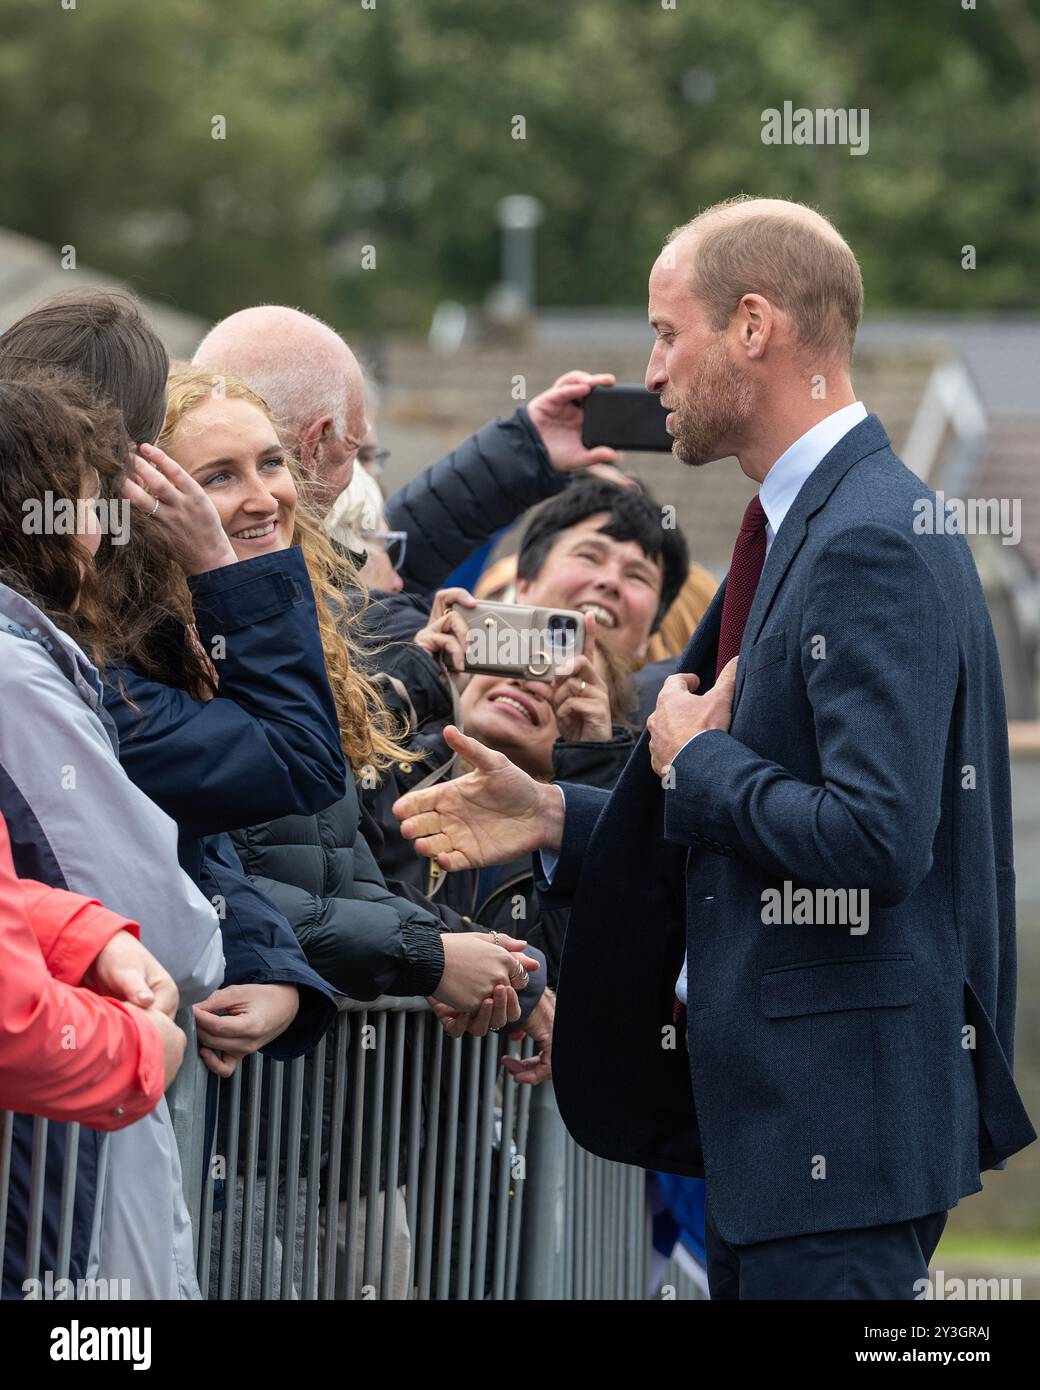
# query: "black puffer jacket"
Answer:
x=321 y=874
x=504 y=900
x=453 y=506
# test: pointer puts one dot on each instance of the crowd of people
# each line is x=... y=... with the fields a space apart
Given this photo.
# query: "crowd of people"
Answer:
x=208 y=715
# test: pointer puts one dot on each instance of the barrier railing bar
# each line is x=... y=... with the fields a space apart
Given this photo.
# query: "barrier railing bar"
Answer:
x=310 y=1225
x=393 y=1155
x=67 y=1208
x=451 y=1139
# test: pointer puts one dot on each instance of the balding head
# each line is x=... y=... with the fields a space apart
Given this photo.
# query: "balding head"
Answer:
x=309 y=378
x=786 y=252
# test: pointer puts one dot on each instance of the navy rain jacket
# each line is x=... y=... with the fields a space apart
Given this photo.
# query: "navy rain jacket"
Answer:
x=266 y=745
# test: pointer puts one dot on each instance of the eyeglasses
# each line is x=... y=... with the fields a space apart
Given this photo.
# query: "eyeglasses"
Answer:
x=372 y=458
x=392 y=543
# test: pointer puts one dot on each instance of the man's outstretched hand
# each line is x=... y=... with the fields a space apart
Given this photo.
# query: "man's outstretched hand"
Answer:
x=493 y=814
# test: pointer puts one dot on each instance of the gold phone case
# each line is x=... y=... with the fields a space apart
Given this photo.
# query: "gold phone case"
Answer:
x=520 y=640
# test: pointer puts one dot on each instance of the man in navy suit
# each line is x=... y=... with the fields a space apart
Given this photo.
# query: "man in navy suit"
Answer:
x=790 y=966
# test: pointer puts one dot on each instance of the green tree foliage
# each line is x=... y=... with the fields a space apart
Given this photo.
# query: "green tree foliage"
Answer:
x=391 y=127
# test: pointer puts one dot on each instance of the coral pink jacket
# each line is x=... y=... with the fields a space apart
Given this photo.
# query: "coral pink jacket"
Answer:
x=67 y=1053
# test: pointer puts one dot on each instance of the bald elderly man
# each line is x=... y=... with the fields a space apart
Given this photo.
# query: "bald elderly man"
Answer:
x=790 y=964
x=315 y=387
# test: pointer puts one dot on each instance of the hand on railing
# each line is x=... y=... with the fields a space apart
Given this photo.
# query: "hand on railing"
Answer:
x=124 y=969
x=532 y=1071
x=173 y=1043
x=253 y=1016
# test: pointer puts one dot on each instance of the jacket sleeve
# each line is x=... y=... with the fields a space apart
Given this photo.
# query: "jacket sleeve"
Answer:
x=268 y=744
x=457 y=503
x=70 y=940
x=260 y=948
x=365 y=944
x=82 y=824
x=66 y=1053
x=881 y=702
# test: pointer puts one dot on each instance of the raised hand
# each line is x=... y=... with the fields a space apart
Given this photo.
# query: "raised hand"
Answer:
x=557 y=416
x=491 y=815
x=185 y=513
x=580 y=697
x=446 y=633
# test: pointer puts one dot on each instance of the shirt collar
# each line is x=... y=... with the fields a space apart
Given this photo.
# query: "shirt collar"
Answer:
x=784 y=480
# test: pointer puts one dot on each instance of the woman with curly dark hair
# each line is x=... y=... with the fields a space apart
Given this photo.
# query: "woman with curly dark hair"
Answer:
x=77 y=822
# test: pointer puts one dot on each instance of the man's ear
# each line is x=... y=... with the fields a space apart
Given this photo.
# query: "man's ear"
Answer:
x=310 y=437
x=754 y=324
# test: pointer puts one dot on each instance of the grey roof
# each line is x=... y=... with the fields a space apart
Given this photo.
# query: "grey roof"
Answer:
x=431 y=402
x=31 y=271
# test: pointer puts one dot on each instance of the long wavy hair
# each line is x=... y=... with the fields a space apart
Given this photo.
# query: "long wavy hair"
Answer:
x=56 y=438
x=367 y=728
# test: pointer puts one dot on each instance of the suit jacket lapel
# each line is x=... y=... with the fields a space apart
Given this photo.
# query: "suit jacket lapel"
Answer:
x=864 y=439
x=702 y=648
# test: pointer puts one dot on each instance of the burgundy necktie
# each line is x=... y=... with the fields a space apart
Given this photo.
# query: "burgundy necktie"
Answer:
x=749 y=555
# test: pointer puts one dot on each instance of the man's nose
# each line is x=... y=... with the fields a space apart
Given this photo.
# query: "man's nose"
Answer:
x=656 y=376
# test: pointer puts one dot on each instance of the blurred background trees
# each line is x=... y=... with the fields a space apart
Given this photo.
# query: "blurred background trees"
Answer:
x=392 y=128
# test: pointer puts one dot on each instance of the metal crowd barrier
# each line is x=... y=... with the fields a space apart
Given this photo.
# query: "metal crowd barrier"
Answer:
x=391 y=1162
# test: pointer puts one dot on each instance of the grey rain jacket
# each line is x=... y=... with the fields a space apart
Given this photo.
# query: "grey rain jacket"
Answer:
x=77 y=822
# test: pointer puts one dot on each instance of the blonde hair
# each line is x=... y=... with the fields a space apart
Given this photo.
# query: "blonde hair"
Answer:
x=367 y=729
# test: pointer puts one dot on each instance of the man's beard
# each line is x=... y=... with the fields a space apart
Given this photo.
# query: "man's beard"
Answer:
x=713 y=408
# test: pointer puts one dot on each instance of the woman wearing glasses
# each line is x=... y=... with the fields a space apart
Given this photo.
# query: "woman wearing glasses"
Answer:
x=358 y=522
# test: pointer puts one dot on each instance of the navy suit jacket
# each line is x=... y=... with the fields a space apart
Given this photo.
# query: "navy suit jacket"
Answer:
x=831 y=1078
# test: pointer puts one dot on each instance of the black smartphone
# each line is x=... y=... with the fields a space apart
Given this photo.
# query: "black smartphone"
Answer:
x=625 y=417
